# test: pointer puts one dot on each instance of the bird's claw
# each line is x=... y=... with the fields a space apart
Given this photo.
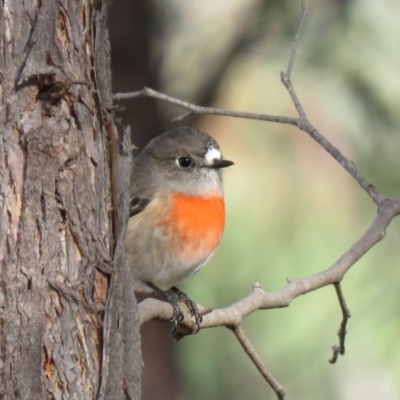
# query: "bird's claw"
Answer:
x=178 y=314
x=191 y=305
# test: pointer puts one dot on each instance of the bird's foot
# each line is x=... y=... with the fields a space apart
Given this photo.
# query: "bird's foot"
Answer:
x=190 y=304
x=177 y=312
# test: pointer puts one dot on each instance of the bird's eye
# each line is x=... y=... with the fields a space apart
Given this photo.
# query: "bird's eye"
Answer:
x=184 y=162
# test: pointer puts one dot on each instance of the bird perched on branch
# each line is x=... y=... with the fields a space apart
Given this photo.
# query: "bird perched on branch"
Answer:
x=177 y=212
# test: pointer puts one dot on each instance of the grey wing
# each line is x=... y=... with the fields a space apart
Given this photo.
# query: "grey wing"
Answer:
x=146 y=245
x=137 y=205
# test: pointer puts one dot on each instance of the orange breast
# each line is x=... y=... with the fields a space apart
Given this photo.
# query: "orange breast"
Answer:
x=196 y=224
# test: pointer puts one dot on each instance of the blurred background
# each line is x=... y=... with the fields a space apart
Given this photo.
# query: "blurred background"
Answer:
x=291 y=209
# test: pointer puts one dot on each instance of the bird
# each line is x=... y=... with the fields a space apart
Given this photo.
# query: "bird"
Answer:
x=176 y=213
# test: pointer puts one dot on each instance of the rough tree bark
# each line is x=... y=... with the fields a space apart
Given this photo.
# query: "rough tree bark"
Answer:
x=68 y=316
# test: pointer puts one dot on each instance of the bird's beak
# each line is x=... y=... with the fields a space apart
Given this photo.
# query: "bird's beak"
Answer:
x=221 y=164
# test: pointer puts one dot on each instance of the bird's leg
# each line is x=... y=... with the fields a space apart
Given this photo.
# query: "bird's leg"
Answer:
x=178 y=315
x=191 y=305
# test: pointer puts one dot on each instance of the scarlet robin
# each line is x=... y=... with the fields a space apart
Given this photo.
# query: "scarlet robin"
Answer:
x=177 y=212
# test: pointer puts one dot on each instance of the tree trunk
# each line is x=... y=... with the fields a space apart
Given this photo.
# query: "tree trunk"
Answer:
x=68 y=316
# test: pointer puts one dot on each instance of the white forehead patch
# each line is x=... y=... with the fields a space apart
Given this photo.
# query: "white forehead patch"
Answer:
x=212 y=154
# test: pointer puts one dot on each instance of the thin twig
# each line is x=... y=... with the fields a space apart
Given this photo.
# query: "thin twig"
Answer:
x=293 y=49
x=302 y=123
x=340 y=349
x=289 y=87
x=305 y=125
x=195 y=109
x=251 y=352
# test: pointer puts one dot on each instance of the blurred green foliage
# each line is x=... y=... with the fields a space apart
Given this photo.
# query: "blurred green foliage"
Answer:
x=292 y=210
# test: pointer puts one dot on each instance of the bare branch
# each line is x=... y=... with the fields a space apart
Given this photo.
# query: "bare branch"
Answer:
x=302 y=123
x=260 y=300
x=293 y=49
x=255 y=358
x=340 y=349
x=195 y=109
x=288 y=85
